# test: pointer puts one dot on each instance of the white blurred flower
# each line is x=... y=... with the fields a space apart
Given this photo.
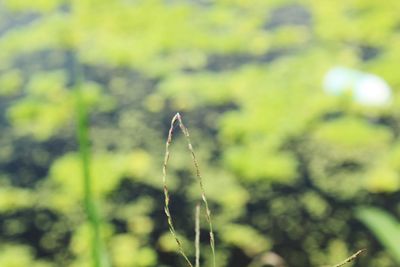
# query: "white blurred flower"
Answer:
x=366 y=89
x=372 y=90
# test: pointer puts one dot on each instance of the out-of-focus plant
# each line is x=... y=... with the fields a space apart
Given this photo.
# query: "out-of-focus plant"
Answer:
x=385 y=227
x=91 y=208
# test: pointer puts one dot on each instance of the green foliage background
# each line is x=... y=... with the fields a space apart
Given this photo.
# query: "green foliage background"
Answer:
x=284 y=165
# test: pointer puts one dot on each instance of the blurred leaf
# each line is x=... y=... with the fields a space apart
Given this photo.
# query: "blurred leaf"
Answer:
x=384 y=226
x=349 y=133
x=10 y=83
x=246 y=238
x=19 y=256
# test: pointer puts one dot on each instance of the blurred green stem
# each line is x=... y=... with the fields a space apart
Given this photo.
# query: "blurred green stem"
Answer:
x=84 y=152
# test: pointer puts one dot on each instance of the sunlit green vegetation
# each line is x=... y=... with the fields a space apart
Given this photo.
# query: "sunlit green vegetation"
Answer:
x=285 y=166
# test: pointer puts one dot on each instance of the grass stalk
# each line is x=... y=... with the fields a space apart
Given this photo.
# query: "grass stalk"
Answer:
x=351 y=258
x=82 y=133
x=177 y=118
x=90 y=208
x=167 y=198
x=197 y=235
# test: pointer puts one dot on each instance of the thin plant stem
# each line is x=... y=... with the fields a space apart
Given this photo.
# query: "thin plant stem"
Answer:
x=167 y=198
x=177 y=118
x=197 y=235
x=200 y=180
x=84 y=153
x=351 y=258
